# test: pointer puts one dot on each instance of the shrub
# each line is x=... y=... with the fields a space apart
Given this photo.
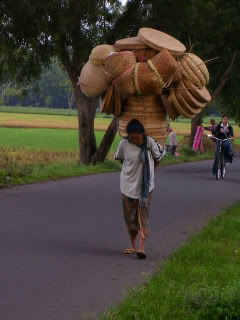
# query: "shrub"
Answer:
x=215 y=303
x=187 y=151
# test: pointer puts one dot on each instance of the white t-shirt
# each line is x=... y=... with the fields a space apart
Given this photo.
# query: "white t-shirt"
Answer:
x=132 y=169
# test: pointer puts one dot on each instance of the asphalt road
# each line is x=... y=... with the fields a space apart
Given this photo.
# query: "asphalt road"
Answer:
x=61 y=242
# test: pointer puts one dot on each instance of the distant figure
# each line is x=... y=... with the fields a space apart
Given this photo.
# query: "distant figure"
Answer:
x=213 y=126
x=198 y=142
x=172 y=141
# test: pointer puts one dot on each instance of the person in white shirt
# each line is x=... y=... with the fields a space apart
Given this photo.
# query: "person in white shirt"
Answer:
x=138 y=153
x=172 y=141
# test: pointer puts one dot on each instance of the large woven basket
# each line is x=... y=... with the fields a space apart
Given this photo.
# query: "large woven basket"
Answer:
x=124 y=84
x=100 y=53
x=143 y=55
x=119 y=62
x=93 y=80
x=150 y=112
x=160 y=40
x=166 y=67
x=145 y=80
x=194 y=69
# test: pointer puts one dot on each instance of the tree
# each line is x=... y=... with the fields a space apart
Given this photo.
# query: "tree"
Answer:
x=212 y=27
x=33 y=32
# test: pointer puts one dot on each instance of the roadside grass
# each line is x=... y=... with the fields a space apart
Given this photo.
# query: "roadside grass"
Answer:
x=200 y=281
x=21 y=165
x=24 y=165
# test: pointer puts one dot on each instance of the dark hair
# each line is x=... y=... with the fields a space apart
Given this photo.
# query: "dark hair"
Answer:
x=135 y=126
x=213 y=120
x=225 y=115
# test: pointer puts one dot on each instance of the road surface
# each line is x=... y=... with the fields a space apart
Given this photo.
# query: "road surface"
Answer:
x=61 y=242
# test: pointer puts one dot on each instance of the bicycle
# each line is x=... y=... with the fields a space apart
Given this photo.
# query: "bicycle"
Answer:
x=220 y=162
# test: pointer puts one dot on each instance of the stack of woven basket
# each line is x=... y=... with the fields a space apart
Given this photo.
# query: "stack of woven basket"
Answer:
x=146 y=77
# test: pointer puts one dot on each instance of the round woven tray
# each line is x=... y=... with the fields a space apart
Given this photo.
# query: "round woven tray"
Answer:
x=169 y=107
x=130 y=44
x=188 y=96
x=202 y=94
x=178 y=106
x=159 y=40
x=93 y=80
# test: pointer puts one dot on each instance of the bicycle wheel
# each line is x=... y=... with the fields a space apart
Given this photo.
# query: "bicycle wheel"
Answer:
x=222 y=166
x=218 y=169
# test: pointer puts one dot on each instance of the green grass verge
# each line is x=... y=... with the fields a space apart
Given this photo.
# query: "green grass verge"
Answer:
x=200 y=281
x=39 y=173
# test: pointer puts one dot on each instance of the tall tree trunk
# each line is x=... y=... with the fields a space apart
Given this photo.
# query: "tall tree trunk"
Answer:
x=70 y=101
x=106 y=142
x=216 y=93
x=86 y=114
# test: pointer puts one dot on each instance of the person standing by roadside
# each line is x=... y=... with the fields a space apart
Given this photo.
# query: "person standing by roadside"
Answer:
x=138 y=153
x=212 y=127
x=172 y=141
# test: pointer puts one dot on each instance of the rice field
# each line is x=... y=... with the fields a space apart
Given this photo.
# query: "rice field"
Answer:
x=62 y=121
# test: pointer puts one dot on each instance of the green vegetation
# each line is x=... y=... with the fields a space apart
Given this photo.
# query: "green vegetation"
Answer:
x=50 y=139
x=198 y=282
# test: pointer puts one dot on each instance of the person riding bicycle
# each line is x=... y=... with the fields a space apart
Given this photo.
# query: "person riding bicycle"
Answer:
x=224 y=131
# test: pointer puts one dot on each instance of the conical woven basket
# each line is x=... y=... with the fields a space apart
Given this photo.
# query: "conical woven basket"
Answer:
x=201 y=94
x=146 y=81
x=124 y=84
x=167 y=67
x=150 y=112
x=194 y=69
x=100 y=53
x=93 y=80
x=179 y=107
x=188 y=96
x=119 y=62
x=189 y=109
x=107 y=101
x=169 y=107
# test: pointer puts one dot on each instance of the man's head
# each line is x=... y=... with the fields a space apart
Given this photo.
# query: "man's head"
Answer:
x=213 y=122
x=225 y=119
x=135 y=131
x=170 y=129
